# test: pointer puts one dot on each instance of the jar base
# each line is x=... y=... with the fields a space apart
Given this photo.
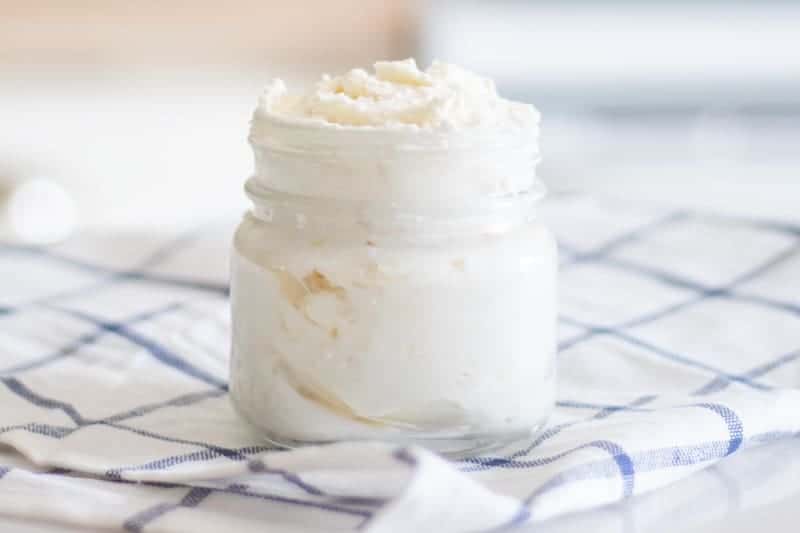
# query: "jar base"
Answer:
x=450 y=447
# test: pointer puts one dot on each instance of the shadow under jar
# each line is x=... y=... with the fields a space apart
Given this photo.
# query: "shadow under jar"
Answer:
x=393 y=286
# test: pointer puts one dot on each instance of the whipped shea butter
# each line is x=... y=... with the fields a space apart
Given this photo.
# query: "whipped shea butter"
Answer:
x=391 y=281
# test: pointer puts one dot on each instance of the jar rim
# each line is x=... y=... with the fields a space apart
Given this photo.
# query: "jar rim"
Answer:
x=525 y=199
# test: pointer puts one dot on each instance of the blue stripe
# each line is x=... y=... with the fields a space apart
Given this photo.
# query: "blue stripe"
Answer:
x=732 y=420
x=258 y=466
x=650 y=460
x=21 y=390
x=565 y=345
x=512 y=463
x=638 y=402
x=51 y=255
x=719 y=383
x=206 y=454
x=715 y=385
x=133 y=276
x=405 y=457
x=66 y=351
x=163 y=463
x=630 y=339
x=572 y=404
x=703 y=293
x=621 y=460
x=216 y=450
x=82 y=342
x=780 y=257
x=136 y=523
x=220 y=289
x=486 y=463
x=766 y=368
x=192 y=499
x=48 y=430
x=667 y=278
x=691 y=362
x=157 y=484
x=780 y=227
x=760 y=223
x=242 y=490
x=112 y=274
x=195 y=496
x=153 y=348
x=625 y=465
x=629 y=236
x=790 y=308
x=633 y=406
x=181 y=401
x=210 y=451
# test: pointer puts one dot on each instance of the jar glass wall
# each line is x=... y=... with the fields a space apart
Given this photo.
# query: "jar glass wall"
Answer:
x=430 y=325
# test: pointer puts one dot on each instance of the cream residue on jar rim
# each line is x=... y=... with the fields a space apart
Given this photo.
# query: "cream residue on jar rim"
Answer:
x=398 y=95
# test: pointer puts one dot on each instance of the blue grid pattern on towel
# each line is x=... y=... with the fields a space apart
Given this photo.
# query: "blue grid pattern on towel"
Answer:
x=584 y=333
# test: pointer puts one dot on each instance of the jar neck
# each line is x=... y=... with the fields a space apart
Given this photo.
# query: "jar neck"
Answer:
x=415 y=185
x=347 y=219
x=409 y=169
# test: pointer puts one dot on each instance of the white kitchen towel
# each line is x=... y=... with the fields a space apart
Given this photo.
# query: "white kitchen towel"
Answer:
x=679 y=346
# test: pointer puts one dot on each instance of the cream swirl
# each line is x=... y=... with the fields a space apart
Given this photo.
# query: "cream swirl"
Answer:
x=398 y=95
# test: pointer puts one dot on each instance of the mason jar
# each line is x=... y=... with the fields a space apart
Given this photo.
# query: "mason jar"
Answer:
x=393 y=286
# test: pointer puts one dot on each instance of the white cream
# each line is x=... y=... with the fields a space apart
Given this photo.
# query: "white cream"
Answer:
x=391 y=282
x=399 y=95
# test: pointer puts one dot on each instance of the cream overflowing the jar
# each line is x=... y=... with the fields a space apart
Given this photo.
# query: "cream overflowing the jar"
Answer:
x=392 y=281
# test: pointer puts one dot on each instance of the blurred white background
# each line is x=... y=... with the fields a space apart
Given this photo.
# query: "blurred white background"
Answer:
x=689 y=102
x=141 y=109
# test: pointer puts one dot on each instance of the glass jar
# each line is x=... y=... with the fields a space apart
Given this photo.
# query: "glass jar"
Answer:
x=393 y=288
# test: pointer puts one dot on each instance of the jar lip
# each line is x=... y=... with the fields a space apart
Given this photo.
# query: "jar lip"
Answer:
x=275 y=133
x=261 y=195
